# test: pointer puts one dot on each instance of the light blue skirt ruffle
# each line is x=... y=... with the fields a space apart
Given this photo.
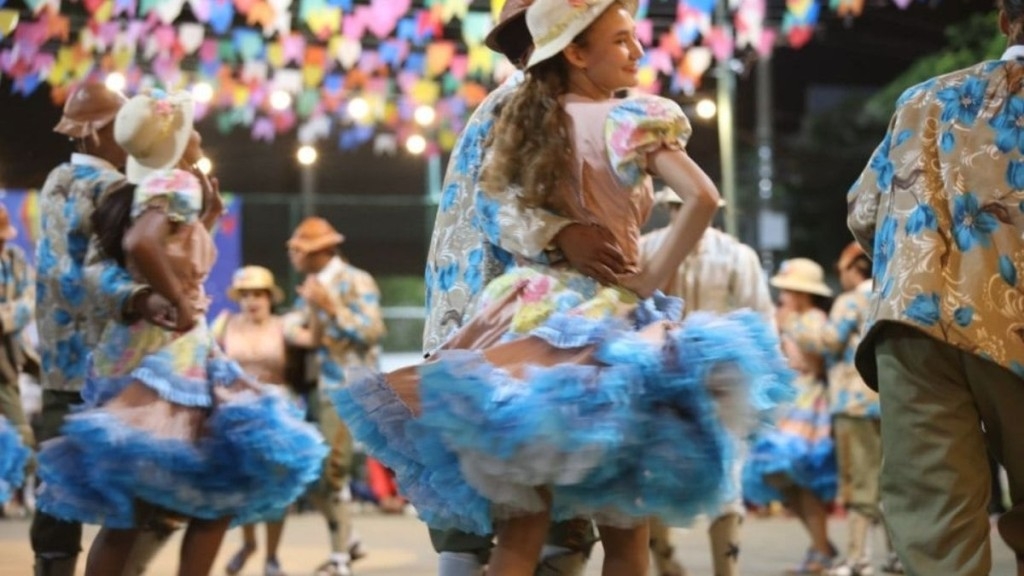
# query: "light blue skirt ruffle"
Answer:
x=251 y=455
x=13 y=457
x=648 y=431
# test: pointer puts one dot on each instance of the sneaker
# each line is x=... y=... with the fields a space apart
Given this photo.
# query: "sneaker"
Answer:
x=892 y=565
x=332 y=568
x=815 y=564
x=237 y=561
x=273 y=568
x=847 y=568
x=355 y=549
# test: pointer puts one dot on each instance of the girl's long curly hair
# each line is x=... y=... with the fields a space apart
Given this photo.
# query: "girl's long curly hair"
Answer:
x=531 y=143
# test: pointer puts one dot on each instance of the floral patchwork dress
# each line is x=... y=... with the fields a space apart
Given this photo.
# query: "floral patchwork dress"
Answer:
x=168 y=418
x=607 y=400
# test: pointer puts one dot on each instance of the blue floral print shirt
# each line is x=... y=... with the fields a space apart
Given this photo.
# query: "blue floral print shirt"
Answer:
x=477 y=236
x=77 y=290
x=941 y=208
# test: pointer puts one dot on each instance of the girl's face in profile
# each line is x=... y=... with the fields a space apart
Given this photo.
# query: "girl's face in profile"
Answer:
x=610 y=53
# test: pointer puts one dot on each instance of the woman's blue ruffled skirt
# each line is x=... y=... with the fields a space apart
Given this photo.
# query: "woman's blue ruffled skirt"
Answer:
x=646 y=428
x=211 y=447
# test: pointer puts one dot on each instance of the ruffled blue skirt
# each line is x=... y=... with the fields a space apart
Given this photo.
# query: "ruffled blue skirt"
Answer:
x=13 y=457
x=798 y=450
x=210 y=445
x=645 y=427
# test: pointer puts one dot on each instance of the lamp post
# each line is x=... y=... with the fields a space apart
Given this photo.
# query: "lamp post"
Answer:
x=307 y=155
x=726 y=90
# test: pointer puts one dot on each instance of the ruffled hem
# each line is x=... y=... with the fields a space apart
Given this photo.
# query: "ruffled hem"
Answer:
x=810 y=466
x=256 y=456
x=640 y=435
x=13 y=458
x=427 y=472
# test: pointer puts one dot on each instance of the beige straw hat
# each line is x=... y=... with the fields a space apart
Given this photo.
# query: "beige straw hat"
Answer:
x=554 y=24
x=254 y=278
x=801 y=275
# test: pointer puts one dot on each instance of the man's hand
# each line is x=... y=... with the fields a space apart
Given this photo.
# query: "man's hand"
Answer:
x=592 y=250
x=155 y=309
x=313 y=291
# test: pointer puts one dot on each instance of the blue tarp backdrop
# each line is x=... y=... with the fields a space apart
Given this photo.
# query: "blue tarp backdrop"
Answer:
x=23 y=206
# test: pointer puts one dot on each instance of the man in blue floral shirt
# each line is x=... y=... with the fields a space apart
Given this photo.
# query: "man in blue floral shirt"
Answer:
x=77 y=292
x=476 y=238
x=941 y=208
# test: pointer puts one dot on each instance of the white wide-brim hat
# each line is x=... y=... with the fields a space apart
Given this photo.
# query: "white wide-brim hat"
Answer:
x=554 y=24
x=154 y=128
x=801 y=275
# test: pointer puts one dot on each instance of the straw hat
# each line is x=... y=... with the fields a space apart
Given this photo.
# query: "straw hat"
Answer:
x=513 y=15
x=7 y=230
x=554 y=23
x=254 y=278
x=315 y=234
x=154 y=129
x=89 y=108
x=801 y=275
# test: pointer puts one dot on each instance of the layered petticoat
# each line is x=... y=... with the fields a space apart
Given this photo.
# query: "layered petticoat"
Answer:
x=178 y=426
x=13 y=458
x=620 y=417
x=798 y=450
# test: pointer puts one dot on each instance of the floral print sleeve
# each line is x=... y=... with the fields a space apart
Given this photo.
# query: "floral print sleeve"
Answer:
x=639 y=126
x=175 y=192
x=19 y=296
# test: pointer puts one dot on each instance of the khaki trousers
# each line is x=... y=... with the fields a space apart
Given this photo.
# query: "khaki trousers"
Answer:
x=935 y=474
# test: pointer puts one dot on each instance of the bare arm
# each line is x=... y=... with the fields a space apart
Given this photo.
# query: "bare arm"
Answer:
x=144 y=244
x=700 y=202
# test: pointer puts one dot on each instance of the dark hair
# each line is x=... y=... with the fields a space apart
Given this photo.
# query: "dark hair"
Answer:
x=862 y=264
x=111 y=220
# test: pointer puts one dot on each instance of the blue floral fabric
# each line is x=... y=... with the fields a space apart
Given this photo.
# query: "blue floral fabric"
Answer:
x=76 y=291
x=477 y=236
x=941 y=208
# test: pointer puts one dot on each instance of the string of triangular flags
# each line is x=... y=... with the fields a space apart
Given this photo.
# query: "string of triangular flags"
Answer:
x=337 y=67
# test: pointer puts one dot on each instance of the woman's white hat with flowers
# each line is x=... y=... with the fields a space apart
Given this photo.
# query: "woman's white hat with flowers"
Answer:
x=154 y=128
x=554 y=24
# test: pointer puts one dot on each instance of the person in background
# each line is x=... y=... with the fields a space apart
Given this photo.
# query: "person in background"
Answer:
x=255 y=339
x=720 y=275
x=339 y=316
x=855 y=410
x=795 y=463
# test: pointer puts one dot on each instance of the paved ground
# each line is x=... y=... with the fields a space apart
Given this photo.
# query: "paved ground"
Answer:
x=399 y=547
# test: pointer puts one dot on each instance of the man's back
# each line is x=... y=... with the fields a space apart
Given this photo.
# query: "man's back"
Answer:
x=67 y=321
x=720 y=275
x=941 y=204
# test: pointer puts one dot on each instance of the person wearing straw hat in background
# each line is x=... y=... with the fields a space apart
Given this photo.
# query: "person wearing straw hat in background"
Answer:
x=795 y=462
x=255 y=339
x=720 y=275
x=855 y=408
x=477 y=237
x=167 y=426
x=79 y=292
x=339 y=316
